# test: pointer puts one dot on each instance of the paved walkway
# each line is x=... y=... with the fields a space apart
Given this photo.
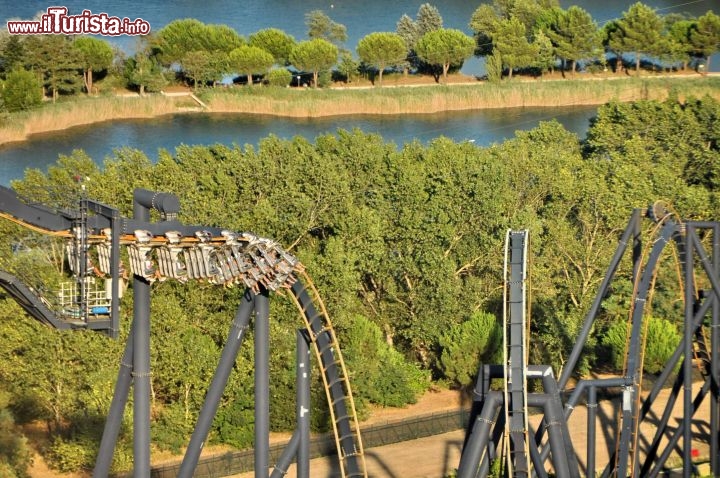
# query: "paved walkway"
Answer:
x=438 y=456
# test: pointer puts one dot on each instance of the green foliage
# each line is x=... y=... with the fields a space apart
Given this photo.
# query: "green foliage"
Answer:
x=465 y=346
x=512 y=45
x=251 y=60
x=574 y=35
x=173 y=41
x=279 y=77
x=72 y=455
x=382 y=50
x=144 y=73
x=638 y=31
x=661 y=338
x=314 y=55
x=57 y=62
x=94 y=55
x=276 y=42
x=321 y=26
x=20 y=91
x=15 y=454
x=705 y=36
x=445 y=47
x=381 y=374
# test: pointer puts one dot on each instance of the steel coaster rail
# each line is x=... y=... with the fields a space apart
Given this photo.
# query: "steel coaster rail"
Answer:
x=170 y=250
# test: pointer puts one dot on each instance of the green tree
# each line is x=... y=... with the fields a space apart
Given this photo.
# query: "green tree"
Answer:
x=348 y=66
x=545 y=60
x=174 y=40
x=144 y=73
x=408 y=31
x=21 y=91
x=314 y=55
x=465 y=346
x=58 y=63
x=95 y=55
x=251 y=60
x=445 y=47
x=198 y=66
x=382 y=50
x=321 y=26
x=12 y=54
x=705 y=37
x=428 y=19
x=574 y=35
x=278 y=43
x=638 y=31
x=512 y=45
x=677 y=46
x=484 y=22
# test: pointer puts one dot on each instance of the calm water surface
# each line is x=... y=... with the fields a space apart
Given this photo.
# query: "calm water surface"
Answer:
x=482 y=127
x=248 y=16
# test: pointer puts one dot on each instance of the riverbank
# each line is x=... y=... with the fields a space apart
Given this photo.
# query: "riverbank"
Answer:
x=305 y=102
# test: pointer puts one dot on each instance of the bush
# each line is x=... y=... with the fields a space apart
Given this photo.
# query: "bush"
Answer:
x=660 y=343
x=279 y=77
x=381 y=374
x=15 y=455
x=69 y=455
x=21 y=91
x=466 y=345
x=493 y=66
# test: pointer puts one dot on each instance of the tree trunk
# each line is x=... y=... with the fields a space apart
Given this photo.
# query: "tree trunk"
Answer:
x=446 y=67
x=87 y=79
x=315 y=79
x=637 y=64
x=142 y=90
x=380 y=71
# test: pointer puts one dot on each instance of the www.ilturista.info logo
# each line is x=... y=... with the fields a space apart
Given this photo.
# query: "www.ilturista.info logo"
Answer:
x=57 y=22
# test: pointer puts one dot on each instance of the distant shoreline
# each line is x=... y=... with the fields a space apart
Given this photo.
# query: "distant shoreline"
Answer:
x=307 y=103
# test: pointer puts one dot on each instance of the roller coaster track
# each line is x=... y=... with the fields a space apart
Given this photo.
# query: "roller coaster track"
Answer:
x=169 y=250
x=515 y=352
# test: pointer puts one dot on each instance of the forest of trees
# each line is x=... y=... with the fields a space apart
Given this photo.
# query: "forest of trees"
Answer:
x=405 y=245
x=531 y=36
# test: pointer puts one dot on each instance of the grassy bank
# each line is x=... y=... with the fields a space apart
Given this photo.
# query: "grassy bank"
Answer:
x=294 y=102
x=82 y=111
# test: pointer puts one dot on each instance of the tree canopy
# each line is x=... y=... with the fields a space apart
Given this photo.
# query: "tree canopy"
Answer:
x=314 y=55
x=382 y=50
x=445 y=47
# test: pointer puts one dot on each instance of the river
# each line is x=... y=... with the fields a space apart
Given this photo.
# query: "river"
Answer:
x=247 y=16
x=481 y=127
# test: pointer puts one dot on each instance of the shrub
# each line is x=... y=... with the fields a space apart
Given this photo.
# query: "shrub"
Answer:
x=279 y=77
x=15 y=455
x=380 y=374
x=466 y=344
x=21 y=91
x=660 y=343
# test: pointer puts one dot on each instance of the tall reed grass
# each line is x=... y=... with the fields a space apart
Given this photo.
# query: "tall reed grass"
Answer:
x=296 y=102
x=82 y=111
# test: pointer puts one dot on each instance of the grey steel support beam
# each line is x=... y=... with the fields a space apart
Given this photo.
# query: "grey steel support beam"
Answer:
x=303 y=403
x=476 y=449
x=113 y=422
x=217 y=386
x=569 y=368
x=299 y=444
x=715 y=363
x=689 y=331
x=591 y=418
x=262 y=385
x=141 y=365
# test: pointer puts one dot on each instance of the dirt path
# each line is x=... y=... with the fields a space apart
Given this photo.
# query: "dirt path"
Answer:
x=438 y=456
